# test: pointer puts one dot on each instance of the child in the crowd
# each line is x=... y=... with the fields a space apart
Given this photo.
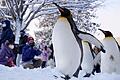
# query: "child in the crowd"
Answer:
x=6 y=54
x=45 y=55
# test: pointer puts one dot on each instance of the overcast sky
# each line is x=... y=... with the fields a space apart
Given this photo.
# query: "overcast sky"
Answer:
x=109 y=16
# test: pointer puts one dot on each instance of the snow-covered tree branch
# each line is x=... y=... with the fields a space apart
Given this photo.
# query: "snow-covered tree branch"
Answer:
x=33 y=15
x=83 y=11
x=22 y=12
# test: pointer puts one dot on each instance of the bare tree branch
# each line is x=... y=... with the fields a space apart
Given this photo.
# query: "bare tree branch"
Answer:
x=16 y=7
x=32 y=17
x=46 y=13
x=11 y=10
x=20 y=6
x=25 y=9
x=28 y=16
x=33 y=3
x=3 y=13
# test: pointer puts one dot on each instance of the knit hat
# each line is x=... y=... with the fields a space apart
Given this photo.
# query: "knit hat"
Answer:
x=30 y=38
x=7 y=22
x=7 y=42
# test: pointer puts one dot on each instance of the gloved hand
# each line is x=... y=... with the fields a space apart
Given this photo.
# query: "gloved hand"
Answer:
x=37 y=57
x=10 y=62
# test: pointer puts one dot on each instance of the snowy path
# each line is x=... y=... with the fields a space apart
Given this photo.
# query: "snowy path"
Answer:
x=16 y=73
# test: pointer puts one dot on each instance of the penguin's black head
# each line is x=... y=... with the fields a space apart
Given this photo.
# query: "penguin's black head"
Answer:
x=106 y=33
x=64 y=11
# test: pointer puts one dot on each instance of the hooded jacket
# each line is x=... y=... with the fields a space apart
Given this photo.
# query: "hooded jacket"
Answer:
x=29 y=52
x=7 y=33
x=5 y=54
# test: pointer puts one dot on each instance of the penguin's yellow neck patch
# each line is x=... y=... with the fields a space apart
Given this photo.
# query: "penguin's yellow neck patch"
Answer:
x=62 y=18
x=108 y=38
x=63 y=22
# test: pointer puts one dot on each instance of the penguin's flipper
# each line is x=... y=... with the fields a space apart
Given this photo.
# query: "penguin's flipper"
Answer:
x=91 y=39
x=87 y=75
x=117 y=44
x=66 y=77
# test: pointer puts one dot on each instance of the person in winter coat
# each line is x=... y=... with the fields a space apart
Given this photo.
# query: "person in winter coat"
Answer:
x=23 y=40
x=52 y=51
x=6 y=54
x=22 y=43
x=45 y=55
x=7 y=33
x=28 y=55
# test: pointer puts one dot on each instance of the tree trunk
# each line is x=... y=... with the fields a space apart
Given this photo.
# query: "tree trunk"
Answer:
x=17 y=38
x=18 y=28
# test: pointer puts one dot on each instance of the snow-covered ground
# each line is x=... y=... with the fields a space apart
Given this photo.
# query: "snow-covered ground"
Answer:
x=18 y=73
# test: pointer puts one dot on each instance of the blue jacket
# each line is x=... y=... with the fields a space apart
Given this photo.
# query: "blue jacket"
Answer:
x=29 y=52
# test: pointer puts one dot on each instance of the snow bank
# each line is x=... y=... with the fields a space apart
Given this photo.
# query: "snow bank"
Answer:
x=18 y=73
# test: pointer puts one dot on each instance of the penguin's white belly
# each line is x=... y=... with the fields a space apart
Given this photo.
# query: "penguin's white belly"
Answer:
x=87 y=63
x=110 y=61
x=66 y=49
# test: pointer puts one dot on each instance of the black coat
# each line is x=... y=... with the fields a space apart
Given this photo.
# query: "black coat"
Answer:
x=22 y=42
x=7 y=33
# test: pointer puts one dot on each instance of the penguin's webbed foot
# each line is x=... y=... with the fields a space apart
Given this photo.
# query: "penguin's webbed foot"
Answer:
x=93 y=72
x=77 y=72
x=87 y=75
x=55 y=76
x=94 y=69
x=66 y=77
x=97 y=68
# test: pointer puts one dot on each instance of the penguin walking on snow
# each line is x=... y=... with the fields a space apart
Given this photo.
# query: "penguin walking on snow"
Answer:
x=89 y=39
x=97 y=60
x=67 y=44
x=88 y=56
x=110 y=61
x=66 y=48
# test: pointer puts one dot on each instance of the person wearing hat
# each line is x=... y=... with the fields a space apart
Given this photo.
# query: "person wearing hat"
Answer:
x=6 y=54
x=7 y=33
x=18 y=48
x=23 y=40
x=28 y=55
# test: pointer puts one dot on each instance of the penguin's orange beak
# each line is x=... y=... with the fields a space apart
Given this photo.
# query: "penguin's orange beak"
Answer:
x=60 y=8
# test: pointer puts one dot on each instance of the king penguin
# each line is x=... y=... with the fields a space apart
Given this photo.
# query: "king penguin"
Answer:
x=89 y=40
x=97 y=59
x=66 y=48
x=89 y=55
x=67 y=44
x=88 y=59
x=110 y=62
